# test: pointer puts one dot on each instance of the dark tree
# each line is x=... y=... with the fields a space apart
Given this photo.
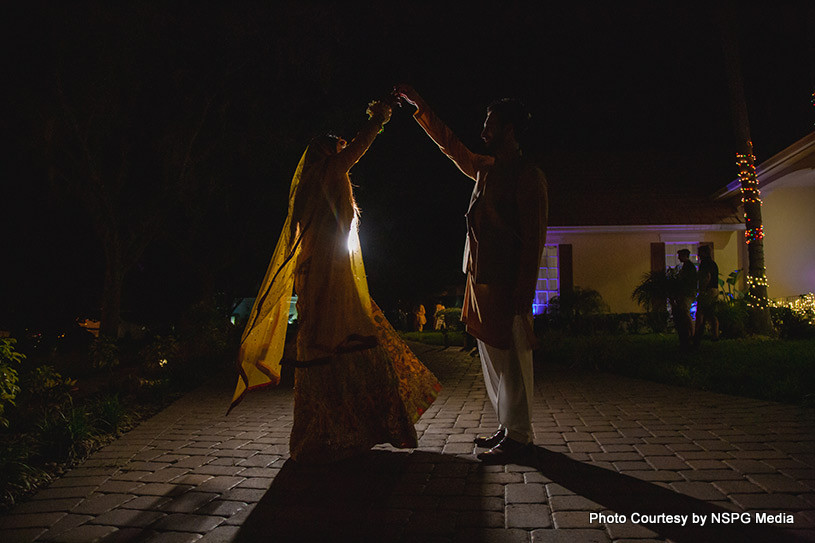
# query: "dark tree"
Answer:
x=123 y=140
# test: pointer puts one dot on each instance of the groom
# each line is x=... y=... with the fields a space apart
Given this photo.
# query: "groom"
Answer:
x=506 y=232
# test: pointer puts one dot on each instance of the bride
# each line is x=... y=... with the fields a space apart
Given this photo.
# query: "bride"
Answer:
x=356 y=383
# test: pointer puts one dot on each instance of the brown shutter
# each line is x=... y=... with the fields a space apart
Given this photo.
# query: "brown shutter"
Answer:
x=565 y=271
x=657 y=256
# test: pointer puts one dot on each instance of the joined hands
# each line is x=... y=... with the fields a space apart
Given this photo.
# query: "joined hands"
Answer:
x=405 y=92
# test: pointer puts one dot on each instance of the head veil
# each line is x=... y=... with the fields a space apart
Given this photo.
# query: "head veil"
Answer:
x=265 y=335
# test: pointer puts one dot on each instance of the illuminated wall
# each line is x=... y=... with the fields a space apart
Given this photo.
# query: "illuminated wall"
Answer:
x=788 y=212
x=612 y=260
x=548 y=285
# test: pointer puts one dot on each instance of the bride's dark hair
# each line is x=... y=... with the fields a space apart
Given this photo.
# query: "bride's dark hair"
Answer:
x=321 y=146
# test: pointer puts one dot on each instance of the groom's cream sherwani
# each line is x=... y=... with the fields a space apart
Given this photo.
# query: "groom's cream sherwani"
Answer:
x=506 y=232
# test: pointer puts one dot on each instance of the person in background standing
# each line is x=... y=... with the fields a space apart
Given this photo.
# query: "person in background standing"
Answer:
x=419 y=317
x=682 y=318
x=708 y=294
x=438 y=317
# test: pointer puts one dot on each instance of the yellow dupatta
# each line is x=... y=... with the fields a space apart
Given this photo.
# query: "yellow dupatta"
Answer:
x=263 y=340
x=264 y=337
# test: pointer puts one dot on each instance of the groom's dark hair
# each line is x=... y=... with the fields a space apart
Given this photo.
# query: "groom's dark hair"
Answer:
x=512 y=111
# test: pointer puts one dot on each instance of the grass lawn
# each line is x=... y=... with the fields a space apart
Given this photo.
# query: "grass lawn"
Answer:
x=756 y=367
x=435 y=338
x=763 y=368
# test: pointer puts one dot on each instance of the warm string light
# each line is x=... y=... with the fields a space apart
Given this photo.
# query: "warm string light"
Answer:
x=813 y=100
x=803 y=306
x=753 y=283
x=757 y=281
x=750 y=194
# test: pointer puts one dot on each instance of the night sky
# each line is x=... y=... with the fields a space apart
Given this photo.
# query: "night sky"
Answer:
x=622 y=98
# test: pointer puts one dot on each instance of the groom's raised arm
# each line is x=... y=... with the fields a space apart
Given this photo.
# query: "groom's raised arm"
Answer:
x=467 y=161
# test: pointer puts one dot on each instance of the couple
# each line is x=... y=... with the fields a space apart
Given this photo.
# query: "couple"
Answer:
x=356 y=382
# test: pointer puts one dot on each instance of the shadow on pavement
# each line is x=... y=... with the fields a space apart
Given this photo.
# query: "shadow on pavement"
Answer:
x=626 y=495
x=339 y=500
x=413 y=496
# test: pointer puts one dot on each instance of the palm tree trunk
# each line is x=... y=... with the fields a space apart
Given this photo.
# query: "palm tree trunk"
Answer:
x=112 y=292
x=756 y=274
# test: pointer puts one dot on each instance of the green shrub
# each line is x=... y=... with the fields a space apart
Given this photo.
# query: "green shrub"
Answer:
x=9 y=379
x=17 y=472
x=731 y=307
x=64 y=434
x=756 y=367
x=727 y=287
x=205 y=335
x=578 y=310
x=576 y=303
x=792 y=324
x=155 y=390
x=48 y=390
x=435 y=338
x=656 y=288
x=109 y=413
x=657 y=319
x=104 y=353
x=452 y=319
x=603 y=323
x=160 y=354
x=733 y=317
x=655 y=291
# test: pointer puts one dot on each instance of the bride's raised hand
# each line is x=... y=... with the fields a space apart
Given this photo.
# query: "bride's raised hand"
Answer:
x=379 y=110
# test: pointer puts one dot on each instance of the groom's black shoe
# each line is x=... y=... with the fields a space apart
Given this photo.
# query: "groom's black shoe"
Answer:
x=491 y=441
x=508 y=451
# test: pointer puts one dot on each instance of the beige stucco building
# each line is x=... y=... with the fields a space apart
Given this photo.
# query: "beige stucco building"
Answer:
x=616 y=237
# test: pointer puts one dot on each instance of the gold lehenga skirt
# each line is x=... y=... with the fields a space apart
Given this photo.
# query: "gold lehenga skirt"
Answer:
x=359 y=399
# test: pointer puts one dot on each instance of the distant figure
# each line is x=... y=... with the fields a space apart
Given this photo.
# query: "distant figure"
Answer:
x=356 y=383
x=708 y=294
x=438 y=317
x=506 y=233
x=682 y=318
x=419 y=318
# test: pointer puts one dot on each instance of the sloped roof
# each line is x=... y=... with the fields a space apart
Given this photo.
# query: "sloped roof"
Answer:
x=798 y=157
x=622 y=207
x=631 y=188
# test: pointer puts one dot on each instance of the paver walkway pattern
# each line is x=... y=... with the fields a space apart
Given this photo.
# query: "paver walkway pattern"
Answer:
x=605 y=445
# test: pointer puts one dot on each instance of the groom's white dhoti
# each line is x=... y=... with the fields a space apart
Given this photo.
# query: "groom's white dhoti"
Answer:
x=509 y=381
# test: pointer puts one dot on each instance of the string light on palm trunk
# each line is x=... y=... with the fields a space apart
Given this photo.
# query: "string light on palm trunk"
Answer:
x=750 y=194
x=753 y=283
x=754 y=234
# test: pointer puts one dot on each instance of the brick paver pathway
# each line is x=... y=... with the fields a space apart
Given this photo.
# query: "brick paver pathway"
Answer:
x=606 y=446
